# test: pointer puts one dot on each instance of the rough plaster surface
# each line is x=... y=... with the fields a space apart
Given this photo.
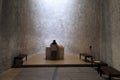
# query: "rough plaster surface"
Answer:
x=7 y=35
x=105 y=35
x=28 y=26
x=110 y=34
x=115 y=31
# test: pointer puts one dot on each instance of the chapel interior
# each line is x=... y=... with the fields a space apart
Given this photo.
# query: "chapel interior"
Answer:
x=28 y=27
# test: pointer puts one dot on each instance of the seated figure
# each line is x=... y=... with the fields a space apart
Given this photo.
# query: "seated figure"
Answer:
x=54 y=52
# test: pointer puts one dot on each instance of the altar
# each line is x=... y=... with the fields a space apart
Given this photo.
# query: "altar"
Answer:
x=59 y=55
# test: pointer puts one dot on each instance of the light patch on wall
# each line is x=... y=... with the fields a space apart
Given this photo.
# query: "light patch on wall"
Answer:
x=69 y=22
x=55 y=3
x=50 y=17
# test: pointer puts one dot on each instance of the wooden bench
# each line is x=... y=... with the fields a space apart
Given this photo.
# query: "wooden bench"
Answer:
x=110 y=71
x=21 y=56
x=86 y=56
x=18 y=60
x=98 y=64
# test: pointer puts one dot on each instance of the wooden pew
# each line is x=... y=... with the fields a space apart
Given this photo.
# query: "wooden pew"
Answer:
x=86 y=56
x=21 y=56
x=98 y=64
x=110 y=71
x=18 y=60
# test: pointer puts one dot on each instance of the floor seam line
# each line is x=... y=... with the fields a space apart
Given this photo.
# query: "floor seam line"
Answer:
x=55 y=74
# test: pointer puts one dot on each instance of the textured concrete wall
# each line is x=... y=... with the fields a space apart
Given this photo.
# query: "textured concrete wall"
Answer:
x=115 y=31
x=28 y=26
x=0 y=35
x=26 y=35
x=0 y=6
x=105 y=34
x=109 y=38
x=7 y=34
x=15 y=32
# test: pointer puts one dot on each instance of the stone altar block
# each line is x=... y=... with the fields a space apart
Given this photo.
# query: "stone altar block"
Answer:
x=59 y=54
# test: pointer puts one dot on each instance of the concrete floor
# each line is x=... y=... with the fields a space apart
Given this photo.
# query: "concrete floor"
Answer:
x=52 y=73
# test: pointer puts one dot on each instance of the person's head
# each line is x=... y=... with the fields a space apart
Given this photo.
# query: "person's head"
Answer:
x=90 y=47
x=54 y=41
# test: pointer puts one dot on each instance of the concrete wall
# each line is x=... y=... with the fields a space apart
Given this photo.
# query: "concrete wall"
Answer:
x=109 y=37
x=28 y=26
x=7 y=34
x=115 y=33
x=0 y=6
x=15 y=32
x=0 y=25
x=105 y=35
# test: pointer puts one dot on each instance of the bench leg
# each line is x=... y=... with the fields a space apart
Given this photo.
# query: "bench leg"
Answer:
x=98 y=69
x=100 y=73
x=92 y=61
x=109 y=77
x=80 y=56
x=85 y=59
x=26 y=57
